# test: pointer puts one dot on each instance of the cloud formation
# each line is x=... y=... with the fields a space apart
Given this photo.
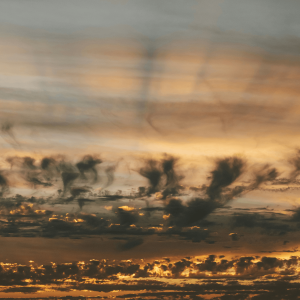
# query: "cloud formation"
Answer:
x=234 y=278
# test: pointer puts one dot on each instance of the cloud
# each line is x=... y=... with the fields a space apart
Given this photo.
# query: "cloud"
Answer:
x=87 y=165
x=68 y=178
x=28 y=162
x=194 y=234
x=76 y=191
x=24 y=289
x=110 y=174
x=161 y=175
x=31 y=173
x=32 y=177
x=179 y=266
x=226 y=172
x=264 y=174
x=238 y=276
x=296 y=215
x=234 y=237
x=112 y=197
x=83 y=201
x=270 y=226
x=246 y=220
x=186 y=215
x=22 y=162
x=168 y=165
x=295 y=161
x=7 y=130
x=126 y=217
x=153 y=173
x=3 y=184
x=172 y=185
x=46 y=162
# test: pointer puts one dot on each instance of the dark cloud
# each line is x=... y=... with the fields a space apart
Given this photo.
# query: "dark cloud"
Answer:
x=33 y=178
x=246 y=220
x=185 y=215
x=68 y=178
x=127 y=218
x=57 y=227
x=264 y=174
x=243 y=264
x=174 y=207
x=77 y=225
x=93 y=221
x=193 y=234
x=28 y=162
x=4 y=184
x=162 y=176
x=210 y=264
x=88 y=165
x=172 y=185
x=76 y=191
x=296 y=215
x=46 y=162
x=268 y=263
x=83 y=201
x=168 y=165
x=178 y=267
x=234 y=237
x=152 y=171
x=141 y=191
x=110 y=174
x=48 y=171
x=226 y=172
x=295 y=162
x=31 y=173
x=24 y=289
x=270 y=226
x=115 y=197
x=154 y=208
x=198 y=209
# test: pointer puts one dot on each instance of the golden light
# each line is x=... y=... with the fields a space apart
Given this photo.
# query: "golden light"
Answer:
x=127 y=208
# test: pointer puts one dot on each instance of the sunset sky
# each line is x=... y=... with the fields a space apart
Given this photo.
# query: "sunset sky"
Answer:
x=150 y=149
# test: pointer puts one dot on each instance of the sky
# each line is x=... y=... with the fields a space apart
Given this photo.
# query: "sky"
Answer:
x=149 y=149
